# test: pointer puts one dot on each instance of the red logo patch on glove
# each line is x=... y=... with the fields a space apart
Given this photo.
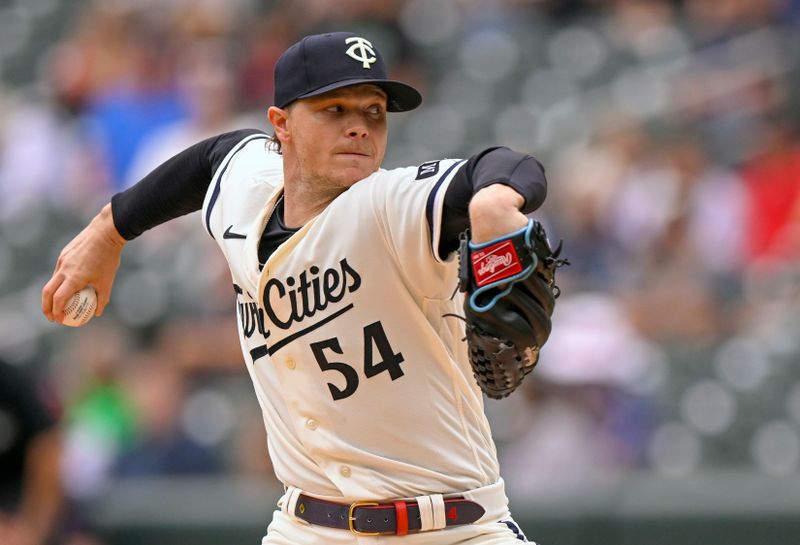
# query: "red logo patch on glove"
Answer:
x=495 y=263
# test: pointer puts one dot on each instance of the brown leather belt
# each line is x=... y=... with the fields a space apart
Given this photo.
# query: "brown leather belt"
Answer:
x=372 y=518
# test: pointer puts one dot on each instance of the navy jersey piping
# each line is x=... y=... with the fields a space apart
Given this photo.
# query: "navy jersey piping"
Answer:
x=218 y=185
x=432 y=195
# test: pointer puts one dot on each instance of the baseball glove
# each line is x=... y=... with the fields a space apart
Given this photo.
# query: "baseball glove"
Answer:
x=511 y=293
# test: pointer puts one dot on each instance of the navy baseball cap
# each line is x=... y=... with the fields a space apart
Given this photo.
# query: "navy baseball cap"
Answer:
x=324 y=62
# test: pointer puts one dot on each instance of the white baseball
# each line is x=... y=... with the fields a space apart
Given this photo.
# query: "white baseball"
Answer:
x=80 y=307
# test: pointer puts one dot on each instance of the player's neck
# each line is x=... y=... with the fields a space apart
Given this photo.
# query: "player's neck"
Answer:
x=304 y=201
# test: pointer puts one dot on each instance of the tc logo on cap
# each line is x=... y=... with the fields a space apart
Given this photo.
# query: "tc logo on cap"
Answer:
x=361 y=50
x=321 y=63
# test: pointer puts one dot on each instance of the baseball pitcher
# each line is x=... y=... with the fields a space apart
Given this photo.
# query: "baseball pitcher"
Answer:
x=356 y=288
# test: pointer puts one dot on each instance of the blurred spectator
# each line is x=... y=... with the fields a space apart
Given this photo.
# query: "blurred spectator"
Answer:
x=138 y=94
x=30 y=445
x=207 y=86
x=693 y=259
x=579 y=436
x=271 y=34
x=711 y=205
x=587 y=205
x=161 y=447
x=721 y=19
x=250 y=457
x=99 y=415
x=37 y=156
x=773 y=194
x=201 y=345
x=586 y=418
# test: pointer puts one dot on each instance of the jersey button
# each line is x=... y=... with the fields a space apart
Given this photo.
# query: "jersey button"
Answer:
x=290 y=363
x=311 y=424
x=345 y=471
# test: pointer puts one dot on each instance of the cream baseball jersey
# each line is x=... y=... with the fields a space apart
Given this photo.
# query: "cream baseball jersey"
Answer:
x=363 y=381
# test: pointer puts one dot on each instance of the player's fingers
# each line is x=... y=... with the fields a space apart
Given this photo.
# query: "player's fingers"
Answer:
x=48 y=291
x=103 y=296
x=62 y=295
x=52 y=286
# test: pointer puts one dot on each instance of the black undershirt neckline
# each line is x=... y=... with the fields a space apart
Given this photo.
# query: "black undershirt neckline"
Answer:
x=275 y=233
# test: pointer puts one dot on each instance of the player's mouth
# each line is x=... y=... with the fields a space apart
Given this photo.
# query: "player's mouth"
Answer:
x=357 y=152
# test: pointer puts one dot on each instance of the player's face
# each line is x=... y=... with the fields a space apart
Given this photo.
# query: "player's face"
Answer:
x=339 y=138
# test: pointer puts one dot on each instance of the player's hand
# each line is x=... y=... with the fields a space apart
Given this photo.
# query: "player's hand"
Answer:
x=92 y=257
x=494 y=211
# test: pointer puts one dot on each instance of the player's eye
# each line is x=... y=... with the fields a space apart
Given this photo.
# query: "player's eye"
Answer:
x=335 y=108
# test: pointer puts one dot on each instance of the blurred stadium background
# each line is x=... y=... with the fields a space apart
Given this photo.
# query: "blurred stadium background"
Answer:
x=666 y=407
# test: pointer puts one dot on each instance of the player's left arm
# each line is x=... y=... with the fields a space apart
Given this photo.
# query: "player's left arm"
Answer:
x=491 y=194
x=434 y=206
x=506 y=265
x=495 y=211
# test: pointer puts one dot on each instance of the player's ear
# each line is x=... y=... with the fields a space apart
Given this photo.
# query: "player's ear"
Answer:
x=279 y=118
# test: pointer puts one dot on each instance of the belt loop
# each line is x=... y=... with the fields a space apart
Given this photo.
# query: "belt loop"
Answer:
x=292 y=495
x=402 y=517
x=425 y=513
x=284 y=500
x=437 y=504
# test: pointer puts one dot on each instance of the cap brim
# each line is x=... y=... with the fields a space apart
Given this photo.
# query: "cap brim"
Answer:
x=400 y=96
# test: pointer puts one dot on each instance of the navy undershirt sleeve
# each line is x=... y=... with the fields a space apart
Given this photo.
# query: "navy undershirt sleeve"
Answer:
x=175 y=188
x=517 y=170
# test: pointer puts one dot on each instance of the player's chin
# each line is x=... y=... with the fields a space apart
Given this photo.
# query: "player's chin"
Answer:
x=350 y=178
x=356 y=170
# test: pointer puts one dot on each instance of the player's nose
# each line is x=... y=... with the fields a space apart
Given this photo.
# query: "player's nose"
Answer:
x=357 y=127
x=358 y=131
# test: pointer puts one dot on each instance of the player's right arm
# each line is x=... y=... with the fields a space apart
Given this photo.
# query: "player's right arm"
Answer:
x=92 y=257
x=175 y=188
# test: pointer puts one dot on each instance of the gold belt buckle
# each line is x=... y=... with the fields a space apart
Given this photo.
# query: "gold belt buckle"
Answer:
x=352 y=519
